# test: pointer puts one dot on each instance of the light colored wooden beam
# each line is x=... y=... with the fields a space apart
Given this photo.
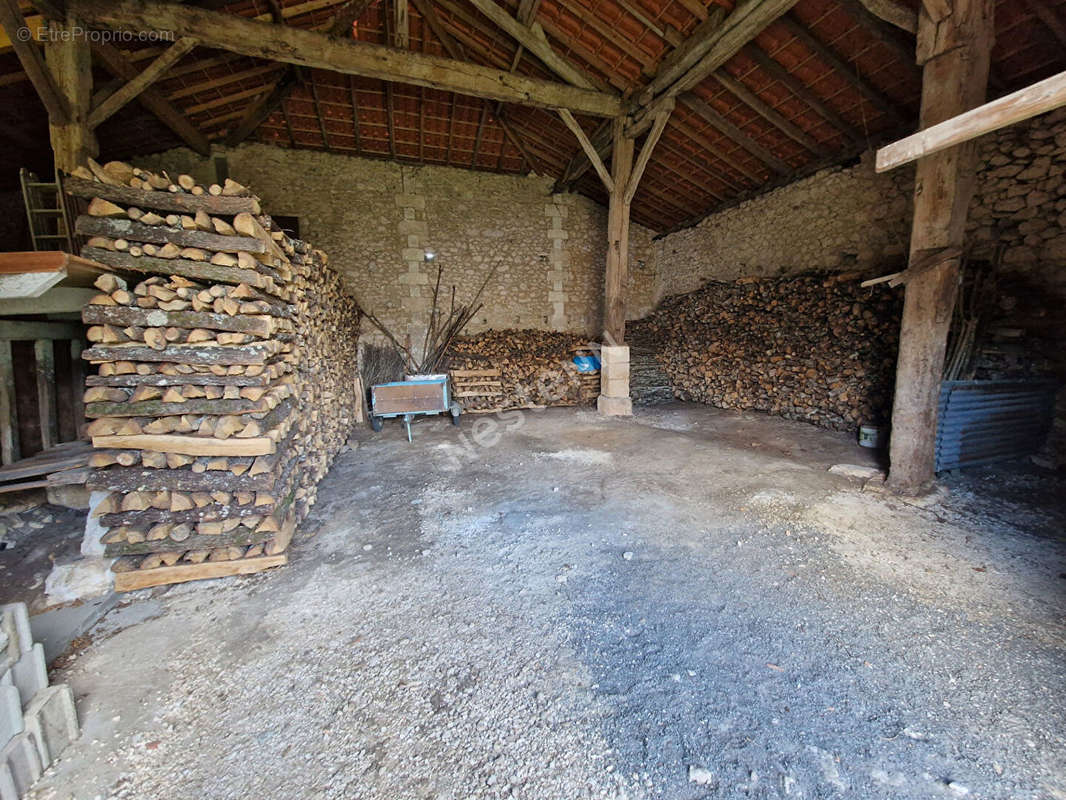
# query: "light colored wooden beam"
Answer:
x=311 y=49
x=645 y=154
x=1041 y=97
x=401 y=25
x=32 y=61
x=587 y=146
x=44 y=354
x=149 y=75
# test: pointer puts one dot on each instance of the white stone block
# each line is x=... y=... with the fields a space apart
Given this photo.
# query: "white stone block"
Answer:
x=53 y=721
x=22 y=761
x=92 y=540
x=16 y=625
x=30 y=674
x=614 y=406
x=80 y=579
x=8 y=790
x=10 y=714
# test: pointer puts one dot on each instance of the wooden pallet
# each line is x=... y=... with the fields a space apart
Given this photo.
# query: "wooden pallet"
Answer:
x=181 y=573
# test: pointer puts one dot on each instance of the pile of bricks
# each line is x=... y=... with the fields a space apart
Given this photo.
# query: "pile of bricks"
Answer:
x=37 y=721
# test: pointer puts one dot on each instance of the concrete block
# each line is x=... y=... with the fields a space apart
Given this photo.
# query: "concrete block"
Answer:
x=614 y=354
x=79 y=580
x=616 y=370
x=17 y=626
x=10 y=714
x=21 y=758
x=92 y=540
x=8 y=790
x=53 y=721
x=614 y=387
x=30 y=674
x=614 y=406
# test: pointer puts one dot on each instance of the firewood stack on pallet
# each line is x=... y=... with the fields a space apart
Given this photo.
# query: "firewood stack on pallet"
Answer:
x=225 y=381
x=500 y=370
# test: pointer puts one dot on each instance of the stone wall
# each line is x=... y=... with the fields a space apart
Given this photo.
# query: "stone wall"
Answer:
x=376 y=219
x=852 y=218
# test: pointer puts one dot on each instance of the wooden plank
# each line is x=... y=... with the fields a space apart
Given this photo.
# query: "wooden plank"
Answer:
x=9 y=428
x=188 y=445
x=125 y=316
x=474 y=373
x=162 y=234
x=196 y=270
x=130 y=479
x=44 y=354
x=16 y=330
x=149 y=75
x=196 y=379
x=46 y=261
x=158 y=408
x=36 y=465
x=32 y=61
x=161 y=201
x=1041 y=97
x=182 y=573
x=57 y=300
x=587 y=146
x=311 y=49
x=256 y=353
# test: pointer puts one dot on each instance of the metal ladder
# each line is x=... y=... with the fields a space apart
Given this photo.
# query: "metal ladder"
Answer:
x=46 y=213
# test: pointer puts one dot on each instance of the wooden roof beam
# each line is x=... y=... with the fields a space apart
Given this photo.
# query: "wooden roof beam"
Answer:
x=317 y=50
x=145 y=78
x=258 y=111
x=151 y=98
x=776 y=71
x=709 y=114
x=527 y=37
x=745 y=22
x=847 y=71
x=768 y=113
x=32 y=60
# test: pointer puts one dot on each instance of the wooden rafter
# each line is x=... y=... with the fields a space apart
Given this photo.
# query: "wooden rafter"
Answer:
x=641 y=164
x=151 y=98
x=355 y=113
x=1050 y=20
x=312 y=49
x=319 y=114
x=894 y=13
x=718 y=120
x=145 y=78
x=32 y=60
x=767 y=112
x=802 y=92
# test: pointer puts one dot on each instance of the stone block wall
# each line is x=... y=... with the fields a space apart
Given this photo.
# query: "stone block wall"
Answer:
x=376 y=219
x=850 y=217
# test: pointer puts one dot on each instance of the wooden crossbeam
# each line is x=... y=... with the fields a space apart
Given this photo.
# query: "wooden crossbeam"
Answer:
x=117 y=64
x=32 y=60
x=645 y=154
x=1041 y=97
x=149 y=75
x=313 y=49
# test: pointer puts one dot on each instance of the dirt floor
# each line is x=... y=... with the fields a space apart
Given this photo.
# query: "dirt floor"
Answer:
x=682 y=605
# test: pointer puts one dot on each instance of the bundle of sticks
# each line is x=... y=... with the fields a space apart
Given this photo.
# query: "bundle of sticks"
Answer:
x=227 y=361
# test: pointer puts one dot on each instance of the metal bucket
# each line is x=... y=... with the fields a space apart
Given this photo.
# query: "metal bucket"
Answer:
x=873 y=436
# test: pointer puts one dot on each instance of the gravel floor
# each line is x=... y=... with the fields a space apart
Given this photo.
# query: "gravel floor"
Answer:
x=685 y=607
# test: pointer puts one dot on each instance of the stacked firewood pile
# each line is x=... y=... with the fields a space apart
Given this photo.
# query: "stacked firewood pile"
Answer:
x=227 y=366
x=521 y=369
x=811 y=348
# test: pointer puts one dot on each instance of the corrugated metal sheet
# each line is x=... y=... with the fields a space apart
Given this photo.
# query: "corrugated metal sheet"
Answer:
x=982 y=422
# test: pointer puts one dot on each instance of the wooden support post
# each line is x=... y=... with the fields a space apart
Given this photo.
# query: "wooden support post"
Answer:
x=955 y=54
x=9 y=424
x=70 y=63
x=77 y=385
x=614 y=326
x=46 y=391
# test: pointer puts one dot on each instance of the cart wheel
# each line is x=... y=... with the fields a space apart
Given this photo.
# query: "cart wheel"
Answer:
x=455 y=412
x=376 y=423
